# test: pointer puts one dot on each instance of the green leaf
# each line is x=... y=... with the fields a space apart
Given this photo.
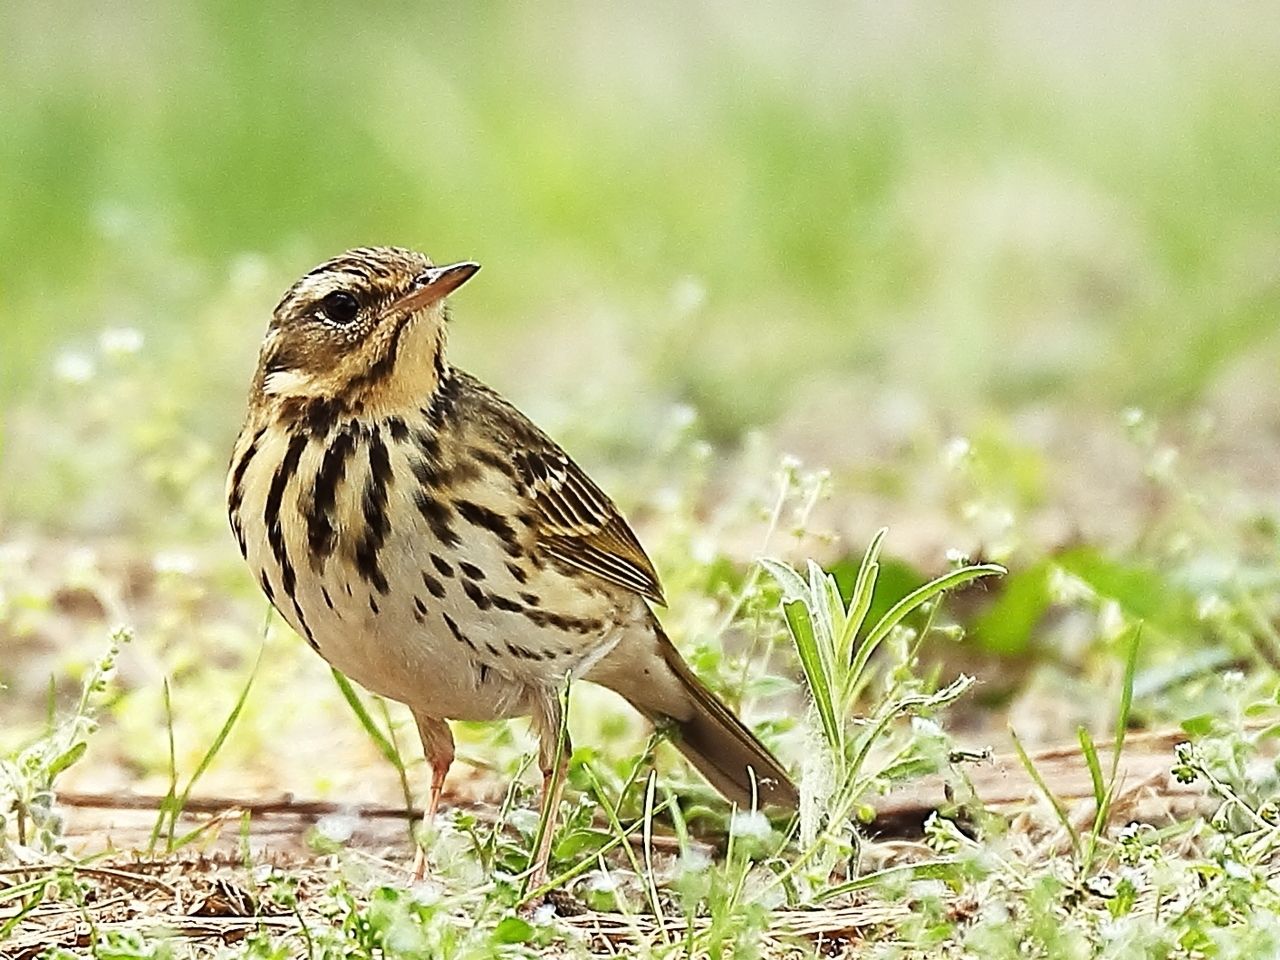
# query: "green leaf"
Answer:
x=860 y=599
x=67 y=758
x=906 y=605
x=513 y=930
x=827 y=606
x=792 y=584
x=801 y=626
x=948 y=870
x=1142 y=592
x=1005 y=627
x=580 y=842
x=921 y=595
x=872 y=731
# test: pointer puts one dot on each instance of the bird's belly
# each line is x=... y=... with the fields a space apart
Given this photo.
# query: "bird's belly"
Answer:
x=428 y=643
x=426 y=606
x=393 y=655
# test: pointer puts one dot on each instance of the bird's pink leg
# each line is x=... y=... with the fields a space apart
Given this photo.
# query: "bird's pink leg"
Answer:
x=437 y=745
x=547 y=717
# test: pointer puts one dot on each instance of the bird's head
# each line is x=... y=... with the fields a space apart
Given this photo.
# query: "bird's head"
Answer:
x=367 y=327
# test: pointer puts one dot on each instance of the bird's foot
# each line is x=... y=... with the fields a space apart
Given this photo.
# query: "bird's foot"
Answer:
x=418 y=872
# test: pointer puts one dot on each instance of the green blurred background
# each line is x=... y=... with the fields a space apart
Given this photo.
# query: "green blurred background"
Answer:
x=736 y=206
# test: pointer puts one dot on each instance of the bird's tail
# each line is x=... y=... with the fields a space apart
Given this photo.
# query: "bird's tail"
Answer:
x=714 y=740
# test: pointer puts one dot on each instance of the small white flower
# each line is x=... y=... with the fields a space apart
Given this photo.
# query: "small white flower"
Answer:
x=1133 y=416
x=524 y=820
x=1163 y=462
x=1237 y=871
x=1129 y=831
x=1211 y=606
x=956 y=450
x=15 y=554
x=120 y=341
x=703 y=549
x=751 y=825
x=174 y=561
x=73 y=367
x=923 y=726
x=602 y=882
x=683 y=416
x=249 y=270
x=688 y=295
x=1066 y=588
x=81 y=563
x=426 y=892
x=1111 y=620
x=667 y=499
x=694 y=861
x=336 y=827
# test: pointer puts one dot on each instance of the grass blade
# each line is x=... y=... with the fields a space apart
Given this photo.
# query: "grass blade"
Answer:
x=1126 y=698
x=1101 y=794
x=651 y=876
x=1049 y=795
x=801 y=625
x=1105 y=794
x=405 y=790
x=1090 y=753
x=171 y=795
x=615 y=825
x=218 y=741
x=380 y=739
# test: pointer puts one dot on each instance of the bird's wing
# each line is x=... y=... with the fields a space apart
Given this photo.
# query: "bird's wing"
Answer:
x=579 y=525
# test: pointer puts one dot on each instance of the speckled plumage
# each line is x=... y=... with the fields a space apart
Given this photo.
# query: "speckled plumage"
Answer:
x=433 y=544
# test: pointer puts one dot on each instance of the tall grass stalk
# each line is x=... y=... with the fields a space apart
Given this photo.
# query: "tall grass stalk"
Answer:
x=173 y=803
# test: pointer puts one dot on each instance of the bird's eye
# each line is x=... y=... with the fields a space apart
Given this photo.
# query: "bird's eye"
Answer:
x=339 y=307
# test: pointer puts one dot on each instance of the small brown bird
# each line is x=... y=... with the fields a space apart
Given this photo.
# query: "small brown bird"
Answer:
x=434 y=545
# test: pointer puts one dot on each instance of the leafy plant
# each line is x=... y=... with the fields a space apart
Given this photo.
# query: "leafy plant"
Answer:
x=29 y=820
x=836 y=654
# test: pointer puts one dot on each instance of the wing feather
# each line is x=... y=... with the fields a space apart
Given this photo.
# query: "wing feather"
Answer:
x=579 y=525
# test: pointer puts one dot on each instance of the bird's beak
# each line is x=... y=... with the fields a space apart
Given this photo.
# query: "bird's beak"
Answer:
x=436 y=284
